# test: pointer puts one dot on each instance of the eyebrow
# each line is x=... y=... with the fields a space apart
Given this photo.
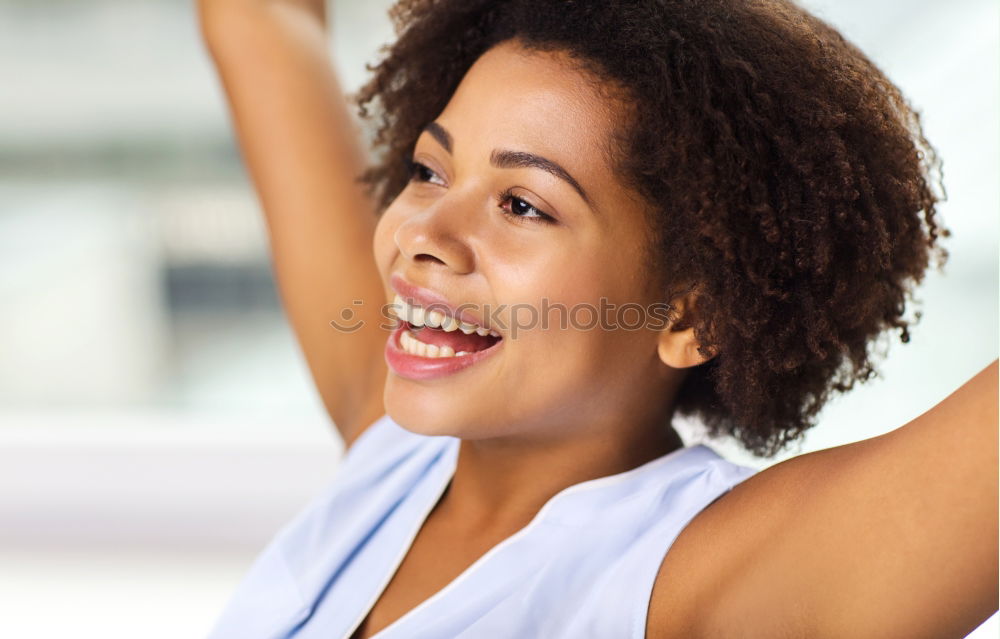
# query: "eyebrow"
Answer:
x=505 y=159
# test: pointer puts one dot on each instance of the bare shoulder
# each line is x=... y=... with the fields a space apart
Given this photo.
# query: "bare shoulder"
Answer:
x=724 y=542
x=891 y=536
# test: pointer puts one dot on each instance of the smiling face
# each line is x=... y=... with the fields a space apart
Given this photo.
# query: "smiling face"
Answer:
x=513 y=202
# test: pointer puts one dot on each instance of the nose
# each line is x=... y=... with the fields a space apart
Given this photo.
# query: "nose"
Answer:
x=436 y=235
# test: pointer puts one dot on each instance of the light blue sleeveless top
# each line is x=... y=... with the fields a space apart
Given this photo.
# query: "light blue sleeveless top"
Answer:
x=584 y=567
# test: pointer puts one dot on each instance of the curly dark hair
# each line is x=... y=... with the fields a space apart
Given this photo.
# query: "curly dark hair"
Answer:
x=790 y=179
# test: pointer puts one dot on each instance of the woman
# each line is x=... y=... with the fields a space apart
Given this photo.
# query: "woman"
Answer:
x=590 y=217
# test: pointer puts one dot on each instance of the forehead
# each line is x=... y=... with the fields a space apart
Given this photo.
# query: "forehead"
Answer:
x=533 y=101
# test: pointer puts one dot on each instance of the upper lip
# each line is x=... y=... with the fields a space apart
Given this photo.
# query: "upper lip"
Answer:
x=433 y=300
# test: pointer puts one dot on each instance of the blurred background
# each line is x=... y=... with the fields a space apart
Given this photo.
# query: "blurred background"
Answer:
x=157 y=421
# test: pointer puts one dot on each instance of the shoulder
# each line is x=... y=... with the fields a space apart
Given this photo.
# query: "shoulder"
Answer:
x=382 y=484
x=890 y=536
x=708 y=574
x=388 y=458
x=383 y=464
x=381 y=440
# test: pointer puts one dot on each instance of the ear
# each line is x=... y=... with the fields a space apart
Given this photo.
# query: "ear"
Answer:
x=676 y=344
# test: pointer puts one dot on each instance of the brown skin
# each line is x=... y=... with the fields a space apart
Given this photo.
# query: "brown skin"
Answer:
x=588 y=401
x=790 y=180
x=273 y=65
x=448 y=233
x=893 y=536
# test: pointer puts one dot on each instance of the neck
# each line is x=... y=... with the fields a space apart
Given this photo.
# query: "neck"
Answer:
x=501 y=483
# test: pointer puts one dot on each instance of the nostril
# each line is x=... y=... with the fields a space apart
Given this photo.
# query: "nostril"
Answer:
x=422 y=257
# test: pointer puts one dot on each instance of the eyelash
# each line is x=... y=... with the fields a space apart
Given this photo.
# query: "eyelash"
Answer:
x=414 y=168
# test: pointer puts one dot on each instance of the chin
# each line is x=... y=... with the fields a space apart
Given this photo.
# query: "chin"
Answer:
x=422 y=410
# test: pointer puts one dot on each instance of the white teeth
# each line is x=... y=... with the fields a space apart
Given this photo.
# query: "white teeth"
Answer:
x=414 y=346
x=434 y=319
x=398 y=307
x=417 y=316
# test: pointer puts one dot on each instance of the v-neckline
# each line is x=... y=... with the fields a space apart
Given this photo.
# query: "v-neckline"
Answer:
x=451 y=452
x=445 y=481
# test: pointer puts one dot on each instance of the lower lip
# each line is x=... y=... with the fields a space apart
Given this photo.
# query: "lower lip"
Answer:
x=416 y=367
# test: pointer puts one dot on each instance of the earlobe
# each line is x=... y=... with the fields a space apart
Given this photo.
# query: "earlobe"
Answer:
x=679 y=349
x=677 y=346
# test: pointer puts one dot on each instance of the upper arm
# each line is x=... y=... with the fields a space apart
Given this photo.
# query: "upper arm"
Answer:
x=908 y=542
x=895 y=536
x=303 y=153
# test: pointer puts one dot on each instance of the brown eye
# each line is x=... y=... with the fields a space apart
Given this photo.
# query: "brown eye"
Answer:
x=520 y=208
x=420 y=172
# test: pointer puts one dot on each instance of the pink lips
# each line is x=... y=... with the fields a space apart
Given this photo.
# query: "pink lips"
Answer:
x=416 y=367
x=431 y=300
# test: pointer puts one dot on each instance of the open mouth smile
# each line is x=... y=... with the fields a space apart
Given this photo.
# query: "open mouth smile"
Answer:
x=431 y=344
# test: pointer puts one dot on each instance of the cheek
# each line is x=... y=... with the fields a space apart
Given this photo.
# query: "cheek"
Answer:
x=582 y=324
x=558 y=314
x=383 y=242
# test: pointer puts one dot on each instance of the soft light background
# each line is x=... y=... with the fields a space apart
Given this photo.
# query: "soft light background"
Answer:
x=157 y=423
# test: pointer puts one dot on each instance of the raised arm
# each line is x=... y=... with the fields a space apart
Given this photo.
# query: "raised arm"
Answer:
x=894 y=536
x=303 y=154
